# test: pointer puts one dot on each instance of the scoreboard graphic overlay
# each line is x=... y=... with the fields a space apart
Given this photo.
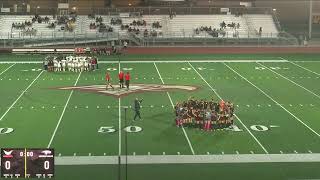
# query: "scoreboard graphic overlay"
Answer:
x=27 y=163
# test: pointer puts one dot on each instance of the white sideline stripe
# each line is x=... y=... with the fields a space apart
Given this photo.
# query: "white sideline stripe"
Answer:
x=302 y=67
x=7 y=69
x=290 y=80
x=264 y=149
x=273 y=100
x=184 y=131
x=64 y=109
x=20 y=96
x=189 y=159
x=119 y=123
x=166 y=61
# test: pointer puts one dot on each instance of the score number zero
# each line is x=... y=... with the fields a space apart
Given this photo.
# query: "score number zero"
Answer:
x=7 y=164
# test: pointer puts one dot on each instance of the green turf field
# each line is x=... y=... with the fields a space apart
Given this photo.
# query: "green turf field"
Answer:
x=277 y=100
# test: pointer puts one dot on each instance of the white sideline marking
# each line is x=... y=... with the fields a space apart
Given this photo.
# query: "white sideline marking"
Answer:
x=119 y=123
x=61 y=116
x=167 y=61
x=274 y=101
x=20 y=96
x=184 y=131
x=188 y=159
x=301 y=66
x=264 y=149
x=7 y=69
x=290 y=80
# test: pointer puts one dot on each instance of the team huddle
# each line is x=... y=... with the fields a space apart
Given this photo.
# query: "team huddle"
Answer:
x=203 y=114
x=70 y=63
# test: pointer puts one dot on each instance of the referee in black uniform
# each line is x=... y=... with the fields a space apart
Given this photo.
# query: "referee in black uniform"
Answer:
x=137 y=107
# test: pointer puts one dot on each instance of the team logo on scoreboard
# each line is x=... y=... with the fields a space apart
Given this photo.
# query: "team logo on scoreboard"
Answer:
x=46 y=154
x=134 y=88
x=7 y=154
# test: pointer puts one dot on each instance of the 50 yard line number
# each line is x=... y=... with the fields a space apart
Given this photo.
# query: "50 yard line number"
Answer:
x=136 y=129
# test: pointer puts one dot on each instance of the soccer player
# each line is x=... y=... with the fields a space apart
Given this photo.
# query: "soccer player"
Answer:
x=137 y=107
x=108 y=80
x=127 y=77
x=121 y=81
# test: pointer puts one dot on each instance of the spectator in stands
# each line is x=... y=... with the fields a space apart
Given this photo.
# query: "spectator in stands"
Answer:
x=238 y=26
x=145 y=33
x=260 y=31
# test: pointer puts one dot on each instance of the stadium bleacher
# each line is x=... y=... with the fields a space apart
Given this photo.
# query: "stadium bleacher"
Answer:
x=176 y=27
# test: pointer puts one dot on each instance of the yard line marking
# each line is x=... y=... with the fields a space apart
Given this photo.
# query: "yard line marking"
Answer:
x=7 y=69
x=119 y=109
x=301 y=66
x=20 y=96
x=318 y=96
x=184 y=131
x=63 y=111
x=273 y=100
x=264 y=149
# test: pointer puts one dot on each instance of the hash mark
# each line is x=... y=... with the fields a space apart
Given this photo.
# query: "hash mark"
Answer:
x=163 y=153
x=251 y=152
x=178 y=153
x=59 y=154
x=74 y=154
x=281 y=152
x=295 y=151
x=149 y=153
x=237 y=152
x=309 y=151
x=208 y=153
x=89 y=154
x=222 y=152
x=104 y=154
x=134 y=153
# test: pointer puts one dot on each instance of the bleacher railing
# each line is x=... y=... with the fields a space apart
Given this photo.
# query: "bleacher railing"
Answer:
x=149 y=10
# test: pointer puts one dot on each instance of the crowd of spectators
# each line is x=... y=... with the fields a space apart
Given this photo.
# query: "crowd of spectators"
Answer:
x=203 y=114
x=116 y=21
x=233 y=25
x=30 y=32
x=39 y=19
x=152 y=33
x=99 y=19
x=138 y=23
x=156 y=25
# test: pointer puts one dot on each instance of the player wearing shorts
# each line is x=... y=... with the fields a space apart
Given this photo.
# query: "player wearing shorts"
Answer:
x=108 y=81
x=121 y=79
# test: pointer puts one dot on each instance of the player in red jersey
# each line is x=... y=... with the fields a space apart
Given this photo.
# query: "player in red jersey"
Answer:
x=121 y=81
x=108 y=81
x=127 y=77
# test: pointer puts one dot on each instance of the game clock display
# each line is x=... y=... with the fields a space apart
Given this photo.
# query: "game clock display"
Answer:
x=27 y=163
